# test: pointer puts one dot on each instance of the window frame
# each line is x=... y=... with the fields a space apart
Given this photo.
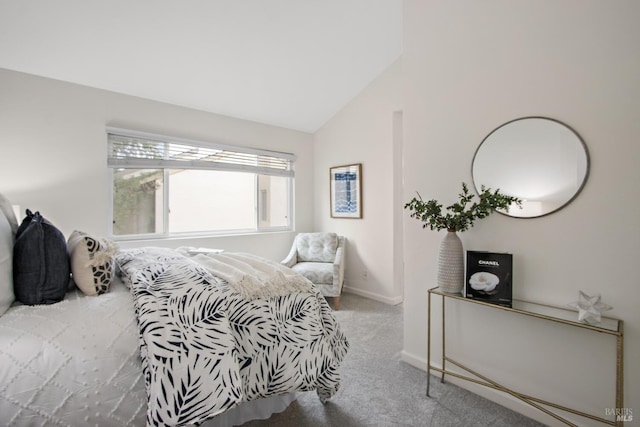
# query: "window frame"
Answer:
x=167 y=165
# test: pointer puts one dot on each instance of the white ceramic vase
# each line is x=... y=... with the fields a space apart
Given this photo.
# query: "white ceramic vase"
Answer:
x=451 y=264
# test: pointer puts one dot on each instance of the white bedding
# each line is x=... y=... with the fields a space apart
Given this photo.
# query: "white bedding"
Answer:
x=77 y=363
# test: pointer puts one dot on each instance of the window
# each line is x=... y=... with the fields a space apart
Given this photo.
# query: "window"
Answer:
x=163 y=186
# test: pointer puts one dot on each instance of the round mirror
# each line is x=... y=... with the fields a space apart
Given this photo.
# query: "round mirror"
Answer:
x=539 y=160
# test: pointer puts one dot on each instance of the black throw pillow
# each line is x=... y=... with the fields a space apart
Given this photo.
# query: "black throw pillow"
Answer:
x=41 y=268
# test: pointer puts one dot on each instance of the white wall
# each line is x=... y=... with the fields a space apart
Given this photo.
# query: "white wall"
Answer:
x=54 y=150
x=469 y=66
x=362 y=132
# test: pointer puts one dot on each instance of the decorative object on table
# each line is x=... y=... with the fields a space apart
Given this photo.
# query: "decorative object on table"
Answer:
x=458 y=217
x=450 y=263
x=346 y=191
x=590 y=308
x=489 y=277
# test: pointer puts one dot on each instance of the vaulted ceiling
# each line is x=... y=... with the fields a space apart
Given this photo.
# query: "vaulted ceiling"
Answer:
x=290 y=63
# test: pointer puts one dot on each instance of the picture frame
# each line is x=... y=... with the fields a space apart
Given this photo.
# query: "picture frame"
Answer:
x=345 y=183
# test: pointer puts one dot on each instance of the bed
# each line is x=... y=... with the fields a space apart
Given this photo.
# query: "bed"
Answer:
x=178 y=339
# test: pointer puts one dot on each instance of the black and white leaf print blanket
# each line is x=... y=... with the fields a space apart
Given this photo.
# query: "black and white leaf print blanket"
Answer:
x=205 y=348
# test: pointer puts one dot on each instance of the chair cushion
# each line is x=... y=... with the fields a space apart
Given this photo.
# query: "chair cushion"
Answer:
x=328 y=290
x=316 y=247
x=316 y=272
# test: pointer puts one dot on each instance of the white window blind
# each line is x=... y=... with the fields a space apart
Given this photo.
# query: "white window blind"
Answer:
x=133 y=149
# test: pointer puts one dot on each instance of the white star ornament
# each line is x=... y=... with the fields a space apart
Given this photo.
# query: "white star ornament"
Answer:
x=590 y=308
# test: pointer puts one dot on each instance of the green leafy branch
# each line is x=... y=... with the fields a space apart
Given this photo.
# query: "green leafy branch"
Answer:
x=459 y=216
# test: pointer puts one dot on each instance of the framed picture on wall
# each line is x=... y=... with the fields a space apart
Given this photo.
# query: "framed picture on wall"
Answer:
x=346 y=191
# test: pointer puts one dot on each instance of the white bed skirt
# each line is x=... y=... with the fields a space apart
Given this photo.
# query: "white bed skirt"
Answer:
x=260 y=409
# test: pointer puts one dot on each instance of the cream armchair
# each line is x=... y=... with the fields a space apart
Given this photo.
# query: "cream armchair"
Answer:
x=320 y=258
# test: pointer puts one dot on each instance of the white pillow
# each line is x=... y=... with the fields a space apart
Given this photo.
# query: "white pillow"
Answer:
x=7 y=209
x=92 y=264
x=6 y=265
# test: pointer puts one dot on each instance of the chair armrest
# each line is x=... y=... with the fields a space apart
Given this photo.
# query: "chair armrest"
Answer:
x=338 y=267
x=292 y=258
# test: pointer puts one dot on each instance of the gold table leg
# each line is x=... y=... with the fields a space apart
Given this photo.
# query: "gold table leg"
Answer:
x=443 y=343
x=428 y=341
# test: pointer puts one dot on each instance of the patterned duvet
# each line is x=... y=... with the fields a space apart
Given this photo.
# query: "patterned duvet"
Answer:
x=205 y=348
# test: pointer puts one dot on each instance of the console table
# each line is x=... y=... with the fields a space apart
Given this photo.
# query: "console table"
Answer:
x=547 y=313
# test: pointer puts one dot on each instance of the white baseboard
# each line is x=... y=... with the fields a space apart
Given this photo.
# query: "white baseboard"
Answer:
x=376 y=297
x=413 y=360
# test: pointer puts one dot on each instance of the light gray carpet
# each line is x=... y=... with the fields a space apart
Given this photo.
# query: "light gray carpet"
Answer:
x=379 y=390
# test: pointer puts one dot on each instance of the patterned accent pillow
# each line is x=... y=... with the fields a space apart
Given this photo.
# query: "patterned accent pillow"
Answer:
x=92 y=262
